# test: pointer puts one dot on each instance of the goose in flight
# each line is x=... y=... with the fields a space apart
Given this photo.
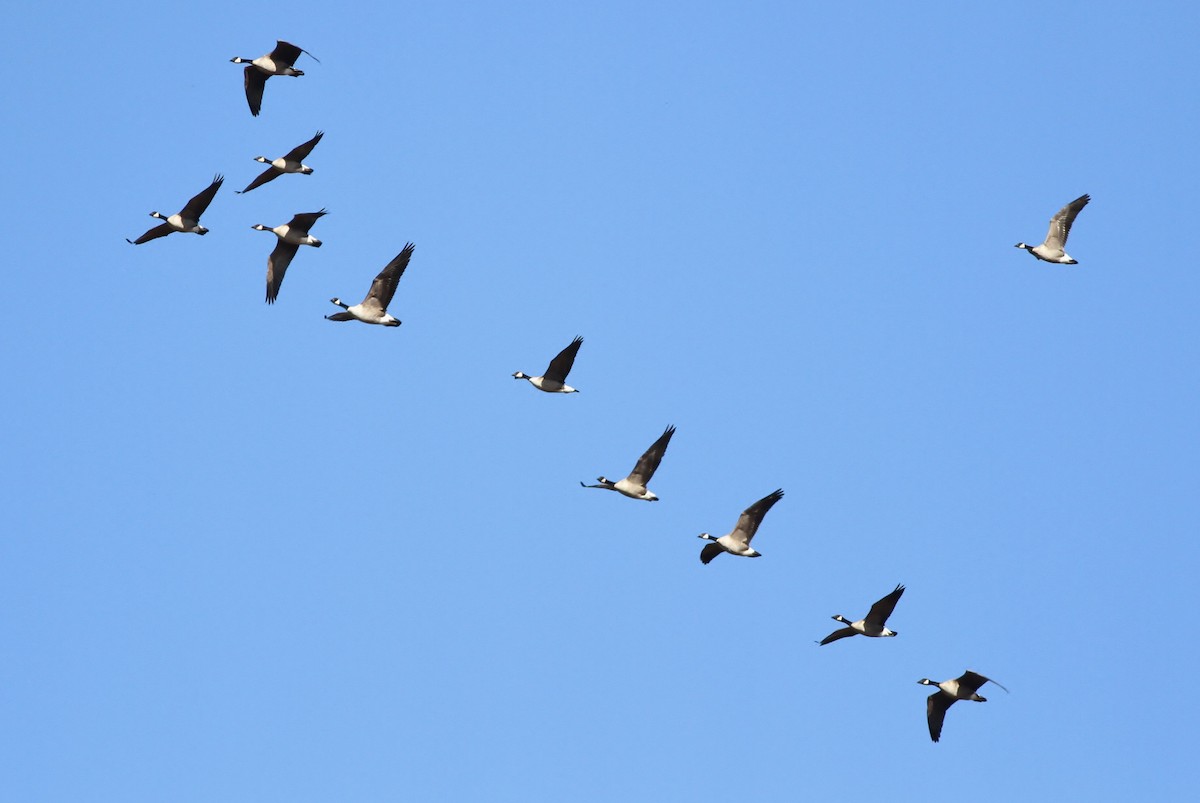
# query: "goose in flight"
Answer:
x=870 y=625
x=292 y=235
x=738 y=541
x=964 y=687
x=555 y=378
x=188 y=218
x=634 y=486
x=373 y=308
x=278 y=62
x=1056 y=238
x=290 y=162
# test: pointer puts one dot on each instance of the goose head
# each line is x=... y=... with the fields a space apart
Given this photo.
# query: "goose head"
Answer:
x=837 y=617
x=260 y=227
x=520 y=375
x=158 y=215
x=240 y=60
x=262 y=159
x=339 y=302
x=1023 y=245
x=926 y=682
x=707 y=536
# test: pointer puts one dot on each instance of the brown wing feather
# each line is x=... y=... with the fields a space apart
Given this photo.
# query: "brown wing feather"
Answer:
x=200 y=201
x=647 y=464
x=161 y=230
x=277 y=265
x=935 y=712
x=267 y=175
x=710 y=551
x=838 y=634
x=298 y=153
x=882 y=609
x=1060 y=224
x=973 y=681
x=285 y=52
x=288 y=53
x=384 y=286
x=305 y=220
x=561 y=365
x=752 y=516
x=255 y=81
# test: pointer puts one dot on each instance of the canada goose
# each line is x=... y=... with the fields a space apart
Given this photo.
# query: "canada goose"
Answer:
x=291 y=162
x=964 y=687
x=1056 y=238
x=870 y=625
x=278 y=62
x=373 y=308
x=555 y=378
x=738 y=541
x=292 y=235
x=187 y=220
x=634 y=486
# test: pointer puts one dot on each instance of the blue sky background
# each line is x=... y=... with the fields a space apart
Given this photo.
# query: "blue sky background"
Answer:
x=253 y=555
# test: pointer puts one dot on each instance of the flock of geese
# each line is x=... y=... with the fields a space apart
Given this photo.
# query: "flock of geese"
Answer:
x=373 y=310
x=297 y=231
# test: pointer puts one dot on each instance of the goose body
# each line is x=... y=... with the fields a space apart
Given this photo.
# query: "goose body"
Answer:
x=292 y=235
x=634 y=486
x=555 y=378
x=290 y=162
x=964 y=687
x=279 y=61
x=1053 y=248
x=187 y=219
x=873 y=624
x=373 y=308
x=738 y=541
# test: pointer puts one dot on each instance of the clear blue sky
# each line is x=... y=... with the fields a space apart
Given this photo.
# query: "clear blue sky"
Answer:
x=252 y=555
